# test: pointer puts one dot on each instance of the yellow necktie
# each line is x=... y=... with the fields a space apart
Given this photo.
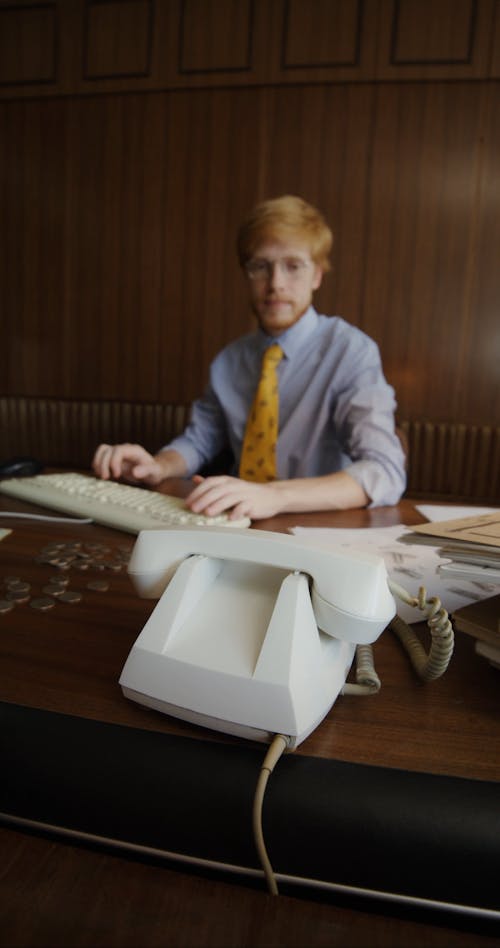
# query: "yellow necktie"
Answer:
x=258 y=453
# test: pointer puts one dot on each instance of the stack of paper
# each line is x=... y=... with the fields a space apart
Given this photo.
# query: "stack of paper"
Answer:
x=470 y=544
x=482 y=621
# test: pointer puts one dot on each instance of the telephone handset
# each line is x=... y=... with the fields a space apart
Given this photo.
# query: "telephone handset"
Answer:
x=350 y=594
x=254 y=632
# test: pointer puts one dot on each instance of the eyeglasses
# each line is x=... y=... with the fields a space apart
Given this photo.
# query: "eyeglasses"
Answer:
x=292 y=268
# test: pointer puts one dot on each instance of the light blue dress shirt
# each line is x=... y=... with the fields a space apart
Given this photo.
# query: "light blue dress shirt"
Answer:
x=336 y=408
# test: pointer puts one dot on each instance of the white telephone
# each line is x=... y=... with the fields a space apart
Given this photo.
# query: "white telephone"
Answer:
x=255 y=632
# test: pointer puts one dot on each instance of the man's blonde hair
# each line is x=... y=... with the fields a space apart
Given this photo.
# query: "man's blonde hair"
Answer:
x=284 y=218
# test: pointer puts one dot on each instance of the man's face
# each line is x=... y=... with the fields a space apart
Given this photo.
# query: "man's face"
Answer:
x=281 y=278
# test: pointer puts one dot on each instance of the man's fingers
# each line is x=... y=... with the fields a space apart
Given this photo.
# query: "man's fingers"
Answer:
x=121 y=460
x=100 y=462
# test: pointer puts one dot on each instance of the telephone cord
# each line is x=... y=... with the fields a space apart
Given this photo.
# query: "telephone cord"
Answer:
x=433 y=664
x=367 y=680
x=428 y=666
x=277 y=747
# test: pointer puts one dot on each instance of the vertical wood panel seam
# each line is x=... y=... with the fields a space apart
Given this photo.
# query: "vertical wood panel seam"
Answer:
x=472 y=254
x=374 y=110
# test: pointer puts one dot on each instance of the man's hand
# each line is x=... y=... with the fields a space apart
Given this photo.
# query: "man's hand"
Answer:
x=130 y=461
x=215 y=495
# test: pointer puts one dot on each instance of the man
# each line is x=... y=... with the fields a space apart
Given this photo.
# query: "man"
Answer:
x=336 y=447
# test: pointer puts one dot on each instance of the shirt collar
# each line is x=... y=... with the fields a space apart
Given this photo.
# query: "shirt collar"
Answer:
x=292 y=340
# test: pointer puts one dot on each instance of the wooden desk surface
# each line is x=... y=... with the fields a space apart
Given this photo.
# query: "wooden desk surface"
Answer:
x=69 y=660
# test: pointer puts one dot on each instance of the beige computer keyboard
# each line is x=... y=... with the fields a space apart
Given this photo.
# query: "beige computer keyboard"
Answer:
x=111 y=503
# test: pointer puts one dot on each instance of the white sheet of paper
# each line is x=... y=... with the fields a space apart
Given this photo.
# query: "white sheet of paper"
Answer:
x=437 y=512
x=411 y=566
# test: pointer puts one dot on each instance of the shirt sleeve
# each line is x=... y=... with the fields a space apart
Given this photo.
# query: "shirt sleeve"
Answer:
x=364 y=415
x=206 y=434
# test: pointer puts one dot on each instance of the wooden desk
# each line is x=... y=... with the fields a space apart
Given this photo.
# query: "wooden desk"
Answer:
x=68 y=661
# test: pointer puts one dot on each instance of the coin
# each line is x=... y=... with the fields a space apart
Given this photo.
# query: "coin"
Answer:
x=42 y=604
x=52 y=590
x=19 y=597
x=70 y=596
x=16 y=585
x=59 y=581
x=5 y=606
x=98 y=585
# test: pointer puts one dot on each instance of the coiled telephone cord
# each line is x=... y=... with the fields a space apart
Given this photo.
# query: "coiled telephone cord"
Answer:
x=433 y=664
x=428 y=665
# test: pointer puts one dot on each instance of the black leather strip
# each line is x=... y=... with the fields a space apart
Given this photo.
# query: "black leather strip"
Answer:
x=417 y=835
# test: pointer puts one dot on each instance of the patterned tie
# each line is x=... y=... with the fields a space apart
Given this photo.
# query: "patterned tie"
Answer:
x=258 y=453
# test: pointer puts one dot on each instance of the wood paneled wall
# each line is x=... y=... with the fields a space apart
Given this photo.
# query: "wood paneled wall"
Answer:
x=80 y=47
x=135 y=134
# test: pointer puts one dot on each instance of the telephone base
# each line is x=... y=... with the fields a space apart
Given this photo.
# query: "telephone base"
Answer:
x=236 y=647
x=254 y=633
x=202 y=720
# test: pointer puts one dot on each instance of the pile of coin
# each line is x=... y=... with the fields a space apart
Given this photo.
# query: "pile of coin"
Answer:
x=64 y=557
x=16 y=591
x=74 y=554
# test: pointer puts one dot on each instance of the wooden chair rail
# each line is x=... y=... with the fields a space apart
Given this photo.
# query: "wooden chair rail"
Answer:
x=65 y=433
x=446 y=461
x=453 y=461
